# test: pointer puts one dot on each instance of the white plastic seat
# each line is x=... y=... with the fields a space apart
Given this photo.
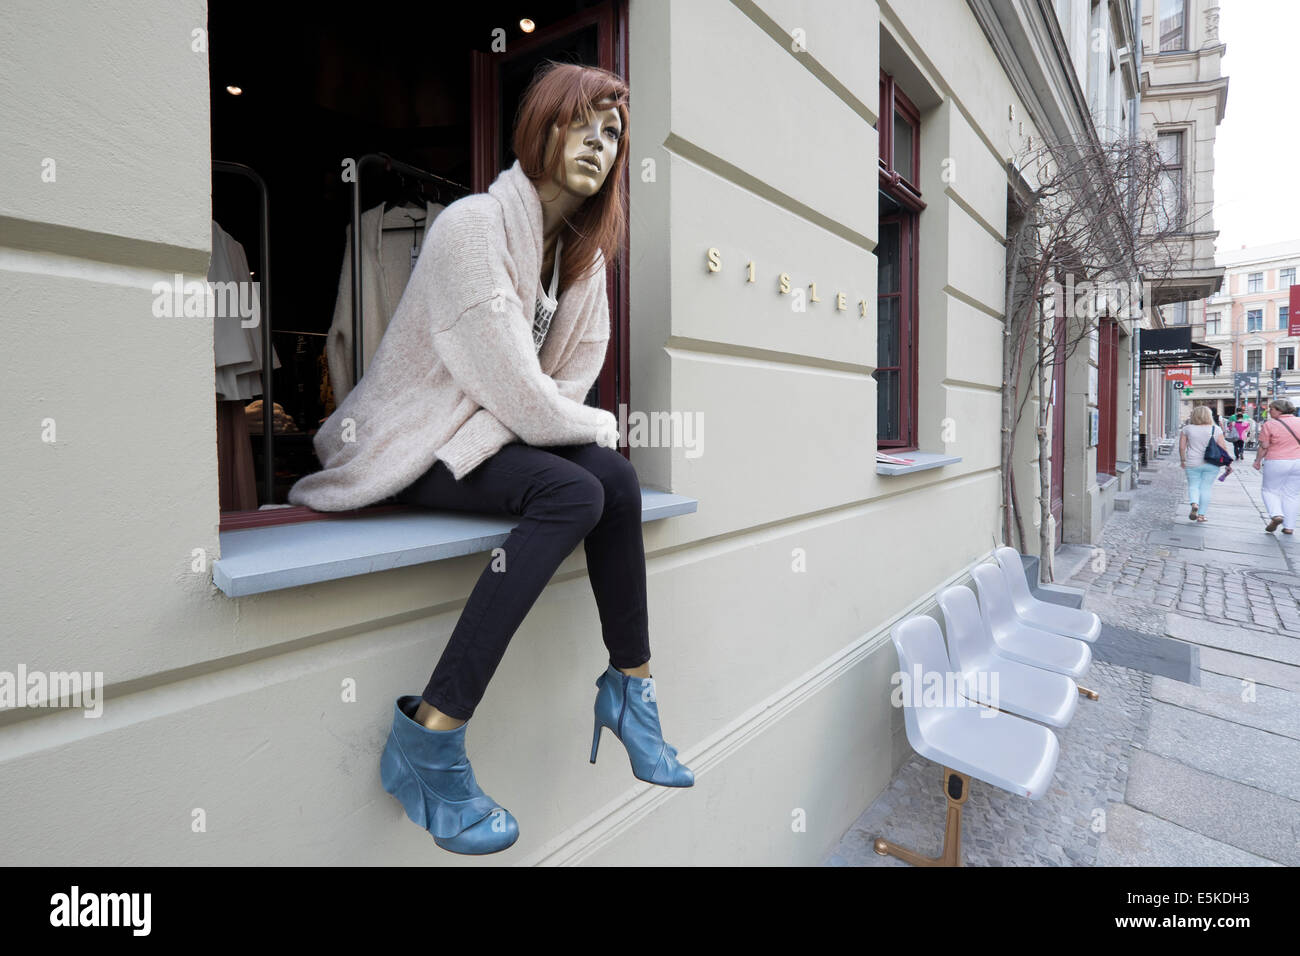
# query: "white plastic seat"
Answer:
x=1067 y=621
x=1019 y=641
x=1006 y=751
x=1031 y=692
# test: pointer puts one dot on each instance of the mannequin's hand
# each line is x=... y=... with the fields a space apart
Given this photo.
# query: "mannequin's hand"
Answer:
x=607 y=432
x=1257 y=464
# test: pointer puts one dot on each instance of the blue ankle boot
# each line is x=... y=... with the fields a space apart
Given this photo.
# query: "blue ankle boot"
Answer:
x=429 y=773
x=628 y=707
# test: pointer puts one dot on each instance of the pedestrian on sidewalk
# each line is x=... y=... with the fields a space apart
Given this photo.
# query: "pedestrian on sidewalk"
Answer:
x=1279 y=460
x=1239 y=427
x=1193 y=438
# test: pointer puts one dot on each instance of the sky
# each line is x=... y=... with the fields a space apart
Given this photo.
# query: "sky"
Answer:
x=1257 y=150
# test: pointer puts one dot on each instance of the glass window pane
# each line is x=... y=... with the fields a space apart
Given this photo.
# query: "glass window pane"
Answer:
x=1171 y=25
x=887 y=405
x=903 y=148
x=887 y=333
x=887 y=259
x=1170 y=147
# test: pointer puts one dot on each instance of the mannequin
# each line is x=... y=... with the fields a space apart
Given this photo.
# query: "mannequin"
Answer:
x=566 y=198
x=574 y=181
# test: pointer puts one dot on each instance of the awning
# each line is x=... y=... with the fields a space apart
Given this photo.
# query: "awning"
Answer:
x=1163 y=347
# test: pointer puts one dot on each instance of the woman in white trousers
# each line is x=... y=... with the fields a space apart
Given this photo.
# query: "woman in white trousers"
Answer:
x=1279 y=460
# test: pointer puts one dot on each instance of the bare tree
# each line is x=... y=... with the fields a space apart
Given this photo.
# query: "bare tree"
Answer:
x=1093 y=226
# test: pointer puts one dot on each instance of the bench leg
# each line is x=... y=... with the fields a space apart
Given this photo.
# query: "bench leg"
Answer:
x=956 y=787
x=1090 y=694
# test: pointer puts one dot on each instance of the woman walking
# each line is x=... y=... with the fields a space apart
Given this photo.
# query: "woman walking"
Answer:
x=1279 y=460
x=474 y=402
x=1239 y=429
x=1192 y=441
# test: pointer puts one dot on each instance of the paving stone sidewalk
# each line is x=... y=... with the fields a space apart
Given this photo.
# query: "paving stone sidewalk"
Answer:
x=1189 y=758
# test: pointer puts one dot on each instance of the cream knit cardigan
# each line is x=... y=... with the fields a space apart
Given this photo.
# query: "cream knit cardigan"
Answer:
x=457 y=376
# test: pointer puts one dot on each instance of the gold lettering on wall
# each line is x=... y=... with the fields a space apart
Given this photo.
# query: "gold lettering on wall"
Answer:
x=713 y=261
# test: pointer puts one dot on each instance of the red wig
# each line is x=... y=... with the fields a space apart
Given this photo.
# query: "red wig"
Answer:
x=560 y=94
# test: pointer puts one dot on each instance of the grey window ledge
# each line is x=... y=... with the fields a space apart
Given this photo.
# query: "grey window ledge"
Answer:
x=922 y=461
x=256 y=560
x=1122 y=467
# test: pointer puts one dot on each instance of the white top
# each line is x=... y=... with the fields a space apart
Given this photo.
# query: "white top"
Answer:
x=1198 y=436
x=546 y=301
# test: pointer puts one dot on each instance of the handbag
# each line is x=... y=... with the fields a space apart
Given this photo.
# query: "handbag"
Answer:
x=1214 y=454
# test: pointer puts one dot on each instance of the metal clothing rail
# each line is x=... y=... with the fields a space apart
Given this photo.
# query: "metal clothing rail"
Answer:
x=390 y=165
x=264 y=289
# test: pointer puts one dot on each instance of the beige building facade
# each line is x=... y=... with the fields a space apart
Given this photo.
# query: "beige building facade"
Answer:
x=249 y=671
x=1247 y=321
x=1184 y=95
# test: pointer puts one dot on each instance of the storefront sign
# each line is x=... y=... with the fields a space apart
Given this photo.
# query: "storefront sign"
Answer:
x=1293 y=317
x=713 y=262
x=1178 y=373
x=1158 y=344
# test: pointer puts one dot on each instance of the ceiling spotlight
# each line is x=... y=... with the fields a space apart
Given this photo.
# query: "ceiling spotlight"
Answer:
x=234 y=90
x=527 y=25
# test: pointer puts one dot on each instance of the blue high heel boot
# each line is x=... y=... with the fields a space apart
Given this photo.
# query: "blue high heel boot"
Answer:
x=429 y=773
x=628 y=706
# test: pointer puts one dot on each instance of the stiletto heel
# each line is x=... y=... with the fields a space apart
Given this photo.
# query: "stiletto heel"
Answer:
x=629 y=707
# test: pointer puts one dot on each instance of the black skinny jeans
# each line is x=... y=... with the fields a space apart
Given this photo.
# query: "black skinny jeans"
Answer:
x=563 y=494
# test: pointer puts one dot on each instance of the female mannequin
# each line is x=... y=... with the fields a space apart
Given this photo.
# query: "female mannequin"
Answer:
x=571 y=139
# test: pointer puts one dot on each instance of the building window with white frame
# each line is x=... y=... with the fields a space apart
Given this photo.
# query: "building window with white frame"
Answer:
x=1170 y=147
x=1255 y=282
x=1213 y=322
x=1283 y=317
x=1172 y=29
x=1255 y=320
x=1286 y=278
x=1286 y=358
x=1254 y=360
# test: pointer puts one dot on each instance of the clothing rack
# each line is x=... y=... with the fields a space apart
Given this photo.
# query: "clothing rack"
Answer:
x=389 y=165
x=264 y=296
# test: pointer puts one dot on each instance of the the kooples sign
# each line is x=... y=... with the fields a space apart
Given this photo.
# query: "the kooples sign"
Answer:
x=799 y=299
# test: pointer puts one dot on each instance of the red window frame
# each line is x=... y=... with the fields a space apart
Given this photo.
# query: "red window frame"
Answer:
x=892 y=99
x=614 y=381
x=907 y=194
x=906 y=368
x=1107 y=395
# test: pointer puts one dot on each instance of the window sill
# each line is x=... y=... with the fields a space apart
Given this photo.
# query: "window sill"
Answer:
x=921 y=461
x=257 y=560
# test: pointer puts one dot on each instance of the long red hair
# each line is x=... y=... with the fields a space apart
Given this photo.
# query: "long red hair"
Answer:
x=559 y=94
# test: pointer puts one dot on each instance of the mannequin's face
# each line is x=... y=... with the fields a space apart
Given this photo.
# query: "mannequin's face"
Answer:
x=597 y=140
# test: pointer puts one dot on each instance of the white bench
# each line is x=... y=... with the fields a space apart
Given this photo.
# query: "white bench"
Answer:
x=1040 y=695
x=966 y=741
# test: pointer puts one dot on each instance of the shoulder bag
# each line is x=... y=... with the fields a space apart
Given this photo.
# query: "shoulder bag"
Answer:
x=1215 y=455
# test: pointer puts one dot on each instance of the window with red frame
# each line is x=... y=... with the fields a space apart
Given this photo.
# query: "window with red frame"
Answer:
x=1107 y=395
x=899 y=132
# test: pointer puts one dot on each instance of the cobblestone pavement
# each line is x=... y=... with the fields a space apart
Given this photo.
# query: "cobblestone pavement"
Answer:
x=1185 y=787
